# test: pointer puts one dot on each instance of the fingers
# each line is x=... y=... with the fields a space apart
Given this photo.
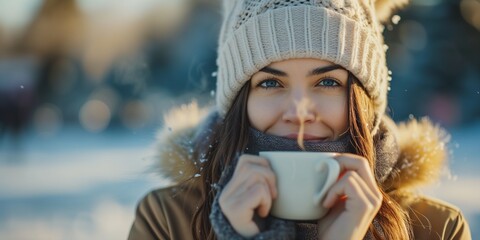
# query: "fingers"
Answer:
x=360 y=196
x=262 y=200
x=256 y=196
x=251 y=189
x=349 y=219
x=358 y=184
x=258 y=185
x=352 y=162
x=251 y=169
x=248 y=191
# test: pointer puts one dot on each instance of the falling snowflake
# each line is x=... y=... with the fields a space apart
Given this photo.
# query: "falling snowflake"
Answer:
x=396 y=19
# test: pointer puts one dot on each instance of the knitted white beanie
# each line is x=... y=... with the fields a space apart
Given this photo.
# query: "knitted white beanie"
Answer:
x=256 y=33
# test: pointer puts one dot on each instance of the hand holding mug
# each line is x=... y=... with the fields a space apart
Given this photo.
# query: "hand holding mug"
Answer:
x=355 y=200
x=250 y=191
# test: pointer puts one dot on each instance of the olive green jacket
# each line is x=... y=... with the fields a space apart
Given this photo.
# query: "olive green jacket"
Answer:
x=167 y=213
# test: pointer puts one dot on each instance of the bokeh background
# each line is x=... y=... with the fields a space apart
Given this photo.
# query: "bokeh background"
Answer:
x=84 y=85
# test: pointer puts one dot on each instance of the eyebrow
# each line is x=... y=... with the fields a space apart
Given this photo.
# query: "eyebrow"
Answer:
x=316 y=71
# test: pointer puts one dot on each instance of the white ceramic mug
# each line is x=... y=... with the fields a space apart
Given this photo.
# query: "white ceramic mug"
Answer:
x=303 y=178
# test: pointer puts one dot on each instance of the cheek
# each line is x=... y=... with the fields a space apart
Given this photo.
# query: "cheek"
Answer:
x=262 y=113
x=335 y=113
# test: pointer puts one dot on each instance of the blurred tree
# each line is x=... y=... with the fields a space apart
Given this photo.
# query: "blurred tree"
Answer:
x=2 y=41
x=57 y=29
x=185 y=60
x=53 y=40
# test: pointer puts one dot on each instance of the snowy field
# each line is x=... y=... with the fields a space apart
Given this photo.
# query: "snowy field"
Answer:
x=79 y=185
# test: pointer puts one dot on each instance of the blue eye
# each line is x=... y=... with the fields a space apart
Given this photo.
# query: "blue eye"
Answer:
x=269 y=83
x=328 y=82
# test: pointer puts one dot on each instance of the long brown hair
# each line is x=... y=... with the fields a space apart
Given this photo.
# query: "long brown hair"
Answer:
x=229 y=139
x=392 y=220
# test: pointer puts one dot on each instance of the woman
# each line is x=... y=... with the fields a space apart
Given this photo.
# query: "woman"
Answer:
x=298 y=75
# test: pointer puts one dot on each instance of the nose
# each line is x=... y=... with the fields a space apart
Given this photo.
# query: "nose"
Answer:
x=300 y=110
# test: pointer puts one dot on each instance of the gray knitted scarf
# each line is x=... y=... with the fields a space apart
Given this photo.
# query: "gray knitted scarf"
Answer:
x=275 y=228
x=259 y=141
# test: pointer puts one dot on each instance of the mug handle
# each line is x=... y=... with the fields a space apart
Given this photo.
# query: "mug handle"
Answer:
x=333 y=171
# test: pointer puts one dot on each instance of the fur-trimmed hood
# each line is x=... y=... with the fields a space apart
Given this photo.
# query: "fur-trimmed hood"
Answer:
x=422 y=147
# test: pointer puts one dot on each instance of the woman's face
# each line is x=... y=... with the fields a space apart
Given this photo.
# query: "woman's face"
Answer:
x=288 y=94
